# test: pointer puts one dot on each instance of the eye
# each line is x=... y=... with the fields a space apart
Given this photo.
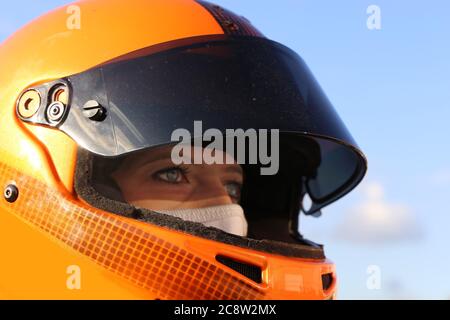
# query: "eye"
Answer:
x=234 y=190
x=171 y=175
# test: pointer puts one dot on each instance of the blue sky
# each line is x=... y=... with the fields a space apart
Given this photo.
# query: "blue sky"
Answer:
x=392 y=89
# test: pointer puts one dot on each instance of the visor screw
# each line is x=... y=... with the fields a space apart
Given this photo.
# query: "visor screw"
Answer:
x=11 y=193
x=55 y=111
x=29 y=103
x=94 y=111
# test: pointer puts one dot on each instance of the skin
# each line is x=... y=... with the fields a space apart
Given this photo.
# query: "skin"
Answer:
x=149 y=179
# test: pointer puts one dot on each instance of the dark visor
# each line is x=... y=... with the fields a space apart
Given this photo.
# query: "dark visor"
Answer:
x=225 y=82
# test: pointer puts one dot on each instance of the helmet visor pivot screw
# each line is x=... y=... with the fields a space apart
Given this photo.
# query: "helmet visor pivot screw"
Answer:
x=29 y=103
x=55 y=111
x=94 y=111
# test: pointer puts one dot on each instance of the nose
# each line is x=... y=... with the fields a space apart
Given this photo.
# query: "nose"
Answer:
x=211 y=192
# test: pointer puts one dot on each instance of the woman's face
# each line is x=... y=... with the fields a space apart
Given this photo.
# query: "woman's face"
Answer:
x=150 y=180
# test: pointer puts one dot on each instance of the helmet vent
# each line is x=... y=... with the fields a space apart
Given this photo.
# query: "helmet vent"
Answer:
x=327 y=280
x=250 y=271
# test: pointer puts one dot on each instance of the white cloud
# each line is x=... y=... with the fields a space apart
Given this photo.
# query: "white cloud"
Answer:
x=377 y=221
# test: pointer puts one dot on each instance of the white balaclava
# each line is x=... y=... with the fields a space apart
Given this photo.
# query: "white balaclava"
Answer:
x=229 y=218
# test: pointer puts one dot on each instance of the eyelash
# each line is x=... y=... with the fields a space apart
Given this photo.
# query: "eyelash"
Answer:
x=183 y=170
x=237 y=184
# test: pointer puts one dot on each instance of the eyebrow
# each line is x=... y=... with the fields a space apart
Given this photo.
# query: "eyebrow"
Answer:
x=154 y=156
x=165 y=154
x=235 y=169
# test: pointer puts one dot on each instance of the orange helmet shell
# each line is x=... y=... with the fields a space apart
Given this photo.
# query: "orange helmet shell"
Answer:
x=49 y=229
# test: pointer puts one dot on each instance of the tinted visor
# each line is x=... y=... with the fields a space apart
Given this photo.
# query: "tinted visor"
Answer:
x=225 y=82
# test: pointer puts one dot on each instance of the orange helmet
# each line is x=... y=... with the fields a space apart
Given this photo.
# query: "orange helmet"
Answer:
x=87 y=85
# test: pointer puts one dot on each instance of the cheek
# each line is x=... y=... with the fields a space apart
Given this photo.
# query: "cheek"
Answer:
x=155 y=190
x=132 y=187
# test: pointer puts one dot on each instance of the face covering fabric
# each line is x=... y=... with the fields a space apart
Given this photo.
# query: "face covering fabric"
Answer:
x=229 y=218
